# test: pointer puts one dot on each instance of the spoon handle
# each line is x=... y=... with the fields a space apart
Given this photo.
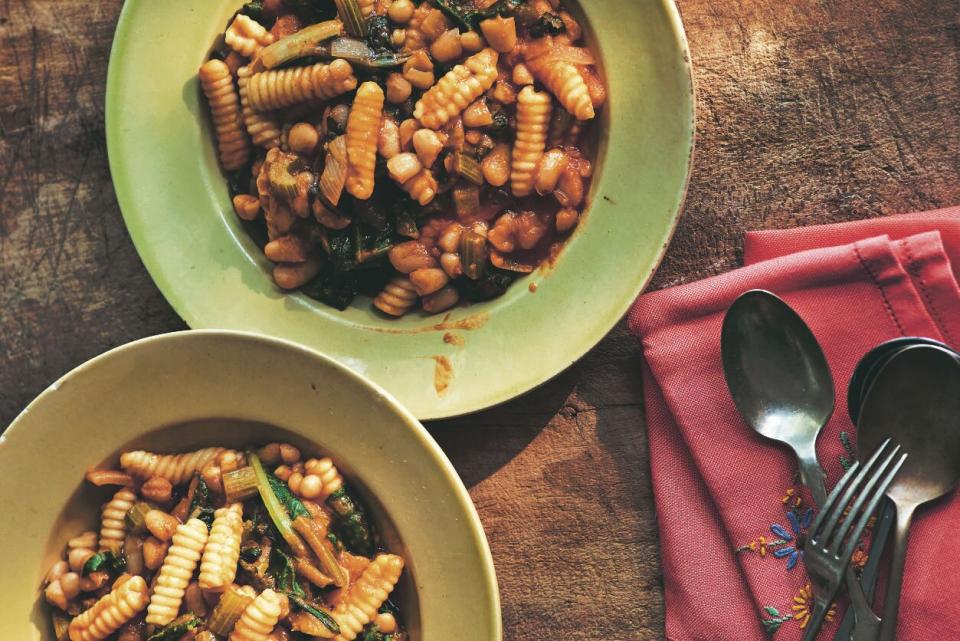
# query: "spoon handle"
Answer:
x=891 y=604
x=811 y=475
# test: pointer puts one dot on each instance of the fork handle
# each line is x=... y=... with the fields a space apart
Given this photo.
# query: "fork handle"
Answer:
x=891 y=603
x=820 y=609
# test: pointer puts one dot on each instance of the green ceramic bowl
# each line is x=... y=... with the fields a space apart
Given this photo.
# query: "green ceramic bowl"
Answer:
x=190 y=389
x=178 y=212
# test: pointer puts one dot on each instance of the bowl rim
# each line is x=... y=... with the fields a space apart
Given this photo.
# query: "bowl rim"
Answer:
x=610 y=315
x=417 y=430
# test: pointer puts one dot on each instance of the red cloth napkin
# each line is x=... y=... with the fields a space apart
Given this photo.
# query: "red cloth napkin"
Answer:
x=729 y=509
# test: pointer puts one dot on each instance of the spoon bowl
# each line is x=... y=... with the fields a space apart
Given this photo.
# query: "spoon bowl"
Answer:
x=914 y=400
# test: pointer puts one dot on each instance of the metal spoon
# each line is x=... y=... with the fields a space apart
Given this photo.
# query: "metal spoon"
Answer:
x=778 y=377
x=915 y=399
x=781 y=383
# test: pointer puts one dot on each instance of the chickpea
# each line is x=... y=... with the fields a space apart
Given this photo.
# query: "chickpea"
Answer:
x=311 y=486
x=303 y=138
x=434 y=25
x=428 y=280
x=428 y=146
x=500 y=32
x=386 y=623
x=86 y=540
x=398 y=37
x=398 y=88
x=269 y=454
x=473 y=136
x=56 y=571
x=161 y=524
x=567 y=218
x=157 y=489
x=229 y=461
x=78 y=557
x=403 y=167
x=287 y=249
x=289 y=454
x=154 y=551
x=569 y=192
x=407 y=128
x=94 y=581
x=496 y=165
x=291 y=276
x=451 y=264
x=521 y=75
x=501 y=236
x=441 y=300
x=388 y=142
x=419 y=79
x=212 y=475
x=504 y=93
x=401 y=11
x=193 y=598
x=339 y=115
x=410 y=256
x=70 y=585
x=447 y=47
x=283 y=473
x=477 y=114
x=246 y=206
x=471 y=41
x=529 y=230
x=449 y=240
x=550 y=168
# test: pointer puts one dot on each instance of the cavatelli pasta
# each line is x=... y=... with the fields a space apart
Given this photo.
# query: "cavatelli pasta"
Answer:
x=367 y=595
x=330 y=479
x=176 y=468
x=457 y=89
x=397 y=297
x=127 y=598
x=414 y=38
x=113 y=528
x=259 y=618
x=263 y=128
x=363 y=130
x=232 y=141
x=218 y=566
x=270 y=90
x=246 y=36
x=422 y=187
x=176 y=571
x=565 y=82
x=533 y=119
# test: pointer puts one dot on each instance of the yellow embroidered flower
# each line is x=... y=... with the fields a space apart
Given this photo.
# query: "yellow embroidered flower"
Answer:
x=791 y=496
x=803 y=606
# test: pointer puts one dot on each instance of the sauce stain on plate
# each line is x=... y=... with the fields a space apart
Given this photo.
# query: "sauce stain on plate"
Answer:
x=442 y=374
x=452 y=339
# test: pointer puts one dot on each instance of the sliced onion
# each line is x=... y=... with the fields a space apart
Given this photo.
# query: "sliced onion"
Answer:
x=300 y=44
x=334 y=174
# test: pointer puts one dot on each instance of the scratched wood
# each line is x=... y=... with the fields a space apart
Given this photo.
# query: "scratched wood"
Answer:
x=809 y=112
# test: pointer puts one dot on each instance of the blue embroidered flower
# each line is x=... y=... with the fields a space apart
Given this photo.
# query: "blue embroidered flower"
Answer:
x=793 y=551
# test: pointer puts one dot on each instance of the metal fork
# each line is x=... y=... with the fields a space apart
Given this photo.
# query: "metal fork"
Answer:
x=836 y=531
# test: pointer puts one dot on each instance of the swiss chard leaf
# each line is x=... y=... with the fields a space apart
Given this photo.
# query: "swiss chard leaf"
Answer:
x=333 y=286
x=311 y=11
x=176 y=628
x=254 y=9
x=352 y=521
x=493 y=283
x=324 y=618
x=283 y=573
x=201 y=506
x=378 y=34
x=470 y=18
x=250 y=553
x=547 y=24
x=108 y=561
x=293 y=505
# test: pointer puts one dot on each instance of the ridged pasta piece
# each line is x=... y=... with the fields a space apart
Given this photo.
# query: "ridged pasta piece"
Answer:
x=533 y=120
x=263 y=128
x=397 y=297
x=565 y=82
x=218 y=565
x=189 y=540
x=422 y=187
x=259 y=618
x=367 y=595
x=246 y=36
x=363 y=130
x=113 y=528
x=176 y=468
x=271 y=90
x=232 y=141
x=127 y=599
x=457 y=89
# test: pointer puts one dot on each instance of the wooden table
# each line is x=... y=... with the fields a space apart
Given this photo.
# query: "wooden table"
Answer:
x=809 y=112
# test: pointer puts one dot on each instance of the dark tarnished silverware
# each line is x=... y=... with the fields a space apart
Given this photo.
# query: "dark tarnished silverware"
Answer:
x=915 y=400
x=782 y=386
x=840 y=524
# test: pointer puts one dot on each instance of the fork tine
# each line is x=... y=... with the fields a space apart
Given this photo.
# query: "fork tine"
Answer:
x=836 y=510
x=872 y=506
x=869 y=478
x=827 y=506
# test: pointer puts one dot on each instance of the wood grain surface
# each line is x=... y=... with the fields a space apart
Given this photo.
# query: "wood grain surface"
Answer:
x=809 y=112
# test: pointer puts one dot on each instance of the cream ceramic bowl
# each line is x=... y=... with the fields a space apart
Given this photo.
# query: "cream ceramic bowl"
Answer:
x=191 y=389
